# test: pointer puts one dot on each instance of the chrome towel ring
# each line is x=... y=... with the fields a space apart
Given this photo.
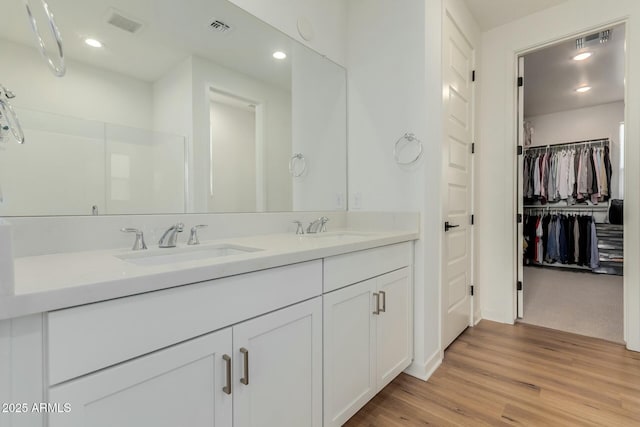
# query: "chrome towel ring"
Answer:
x=401 y=143
x=10 y=117
x=59 y=68
x=297 y=172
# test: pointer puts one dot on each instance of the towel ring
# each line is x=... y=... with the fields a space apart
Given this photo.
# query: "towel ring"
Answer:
x=58 y=69
x=6 y=110
x=409 y=137
x=297 y=158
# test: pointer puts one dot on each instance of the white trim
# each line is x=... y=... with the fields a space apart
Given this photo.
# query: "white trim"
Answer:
x=424 y=371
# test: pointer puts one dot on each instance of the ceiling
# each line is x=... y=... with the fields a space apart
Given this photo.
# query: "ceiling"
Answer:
x=172 y=31
x=551 y=75
x=493 y=13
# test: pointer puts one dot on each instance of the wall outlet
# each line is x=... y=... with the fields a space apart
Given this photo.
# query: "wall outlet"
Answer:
x=340 y=201
x=357 y=200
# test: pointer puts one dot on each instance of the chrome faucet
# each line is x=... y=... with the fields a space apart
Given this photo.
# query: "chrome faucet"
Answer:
x=193 y=236
x=318 y=226
x=139 y=243
x=169 y=238
x=299 y=229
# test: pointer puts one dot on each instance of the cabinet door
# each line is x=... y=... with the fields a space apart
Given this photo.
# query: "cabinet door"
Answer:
x=349 y=351
x=179 y=386
x=278 y=368
x=395 y=325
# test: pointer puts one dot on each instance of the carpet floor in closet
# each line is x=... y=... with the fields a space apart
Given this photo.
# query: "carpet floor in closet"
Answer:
x=579 y=302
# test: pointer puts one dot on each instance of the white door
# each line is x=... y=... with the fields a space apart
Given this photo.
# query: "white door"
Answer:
x=520 y=194
x=458 y=65
x=349 y=350
x=278 y=368
x=180 y=386
x=394 y=325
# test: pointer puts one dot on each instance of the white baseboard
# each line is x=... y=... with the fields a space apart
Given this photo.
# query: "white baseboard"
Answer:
x=423 y=371
x=495 y=317
x=477 y=319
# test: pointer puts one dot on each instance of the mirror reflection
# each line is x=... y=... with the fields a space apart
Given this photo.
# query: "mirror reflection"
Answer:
x=169 y=107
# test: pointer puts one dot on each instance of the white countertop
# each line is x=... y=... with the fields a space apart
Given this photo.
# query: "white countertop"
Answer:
x=51 y=282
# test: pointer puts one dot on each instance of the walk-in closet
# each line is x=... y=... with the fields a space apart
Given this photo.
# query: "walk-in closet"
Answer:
x=571 y=169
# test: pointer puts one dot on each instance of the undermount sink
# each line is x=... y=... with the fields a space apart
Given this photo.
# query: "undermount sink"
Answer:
x=338 y=235
x=184 y=254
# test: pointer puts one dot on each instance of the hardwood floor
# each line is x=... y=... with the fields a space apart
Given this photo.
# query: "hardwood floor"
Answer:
x=496 y=374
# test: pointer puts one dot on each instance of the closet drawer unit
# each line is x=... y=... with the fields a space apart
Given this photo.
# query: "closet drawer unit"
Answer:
x=91 y=337
x=346 y=269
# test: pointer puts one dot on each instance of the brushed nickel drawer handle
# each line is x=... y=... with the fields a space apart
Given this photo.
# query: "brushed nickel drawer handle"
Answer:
x=245 y=379
x=384 y=301
x=227 y=388
x=377 y=297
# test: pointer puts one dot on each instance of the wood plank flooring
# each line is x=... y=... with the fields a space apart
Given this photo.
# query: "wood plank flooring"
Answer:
x=499 y=375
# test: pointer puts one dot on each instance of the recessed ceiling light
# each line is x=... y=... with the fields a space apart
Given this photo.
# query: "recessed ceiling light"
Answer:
x=279 y=55
x=582 y=56
x=93 y=42
x=583 y=89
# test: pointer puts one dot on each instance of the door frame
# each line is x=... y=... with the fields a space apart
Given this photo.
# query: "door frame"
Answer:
x=517 y=258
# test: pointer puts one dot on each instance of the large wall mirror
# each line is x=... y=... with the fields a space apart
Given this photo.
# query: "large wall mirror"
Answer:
x=167 y=107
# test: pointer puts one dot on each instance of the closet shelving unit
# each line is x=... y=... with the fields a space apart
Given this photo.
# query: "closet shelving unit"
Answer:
x=609 y=236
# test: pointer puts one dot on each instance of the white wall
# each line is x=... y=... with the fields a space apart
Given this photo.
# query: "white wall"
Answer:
x=319 y=131
x=233 y=156
x=85 y=92
x=495 y=161
x=328 y=18
x=599 y=121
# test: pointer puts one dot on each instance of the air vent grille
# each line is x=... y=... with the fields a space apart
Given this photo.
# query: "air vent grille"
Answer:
x=220 y=26
x=117 y=19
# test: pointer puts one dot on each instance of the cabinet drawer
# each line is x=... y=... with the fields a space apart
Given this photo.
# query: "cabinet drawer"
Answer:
x=346 y=269
x=91 y=337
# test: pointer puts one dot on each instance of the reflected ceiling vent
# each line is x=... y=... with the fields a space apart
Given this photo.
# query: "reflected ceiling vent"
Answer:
x=593 y=39
x=220 y=26
x=119 y=20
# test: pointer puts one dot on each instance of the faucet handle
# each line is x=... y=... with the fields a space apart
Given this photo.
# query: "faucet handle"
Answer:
x=299 y=229
x=193 y=236
x=323 y=224
x=139 y=243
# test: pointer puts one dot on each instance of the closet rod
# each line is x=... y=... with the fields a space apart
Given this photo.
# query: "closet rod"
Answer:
x=567 y=144
x=568 y=208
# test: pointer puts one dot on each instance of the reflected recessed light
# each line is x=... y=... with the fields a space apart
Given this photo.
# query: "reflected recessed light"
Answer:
x=583 y=89
x=93 y=42
x=279 y=55
x=582 y=56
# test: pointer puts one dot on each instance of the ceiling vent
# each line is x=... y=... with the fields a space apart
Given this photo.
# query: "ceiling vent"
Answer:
x=220 y=26
x=117 y=19
x=593 y=39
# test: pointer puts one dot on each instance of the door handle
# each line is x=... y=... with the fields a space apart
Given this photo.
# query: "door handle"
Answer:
x=383 y=294
x=448 y=226
x=377 y=297
x=227 y=388
x=245 y=379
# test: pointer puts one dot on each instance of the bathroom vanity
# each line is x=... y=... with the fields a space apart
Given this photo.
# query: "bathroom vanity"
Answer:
x=299 y=331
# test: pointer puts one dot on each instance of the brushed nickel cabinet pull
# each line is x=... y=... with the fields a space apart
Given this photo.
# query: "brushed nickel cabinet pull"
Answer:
x=384 y=301
x=245 y=379
x=377 y=296
x=227 y=388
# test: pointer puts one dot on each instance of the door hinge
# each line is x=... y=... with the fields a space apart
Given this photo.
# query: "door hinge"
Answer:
x=519 y=218
x=472 y=219
x=520 y=150
x=520 y=81
x=473 y=148
x=473 y=76
x=519 y=285
x=471 y=290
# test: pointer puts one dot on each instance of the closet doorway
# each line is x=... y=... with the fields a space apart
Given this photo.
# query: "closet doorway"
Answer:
x=571 y=184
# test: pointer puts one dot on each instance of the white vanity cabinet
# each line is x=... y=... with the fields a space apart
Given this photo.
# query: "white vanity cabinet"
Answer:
x=262 y=372
x=368 y=333
x=181 y=385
